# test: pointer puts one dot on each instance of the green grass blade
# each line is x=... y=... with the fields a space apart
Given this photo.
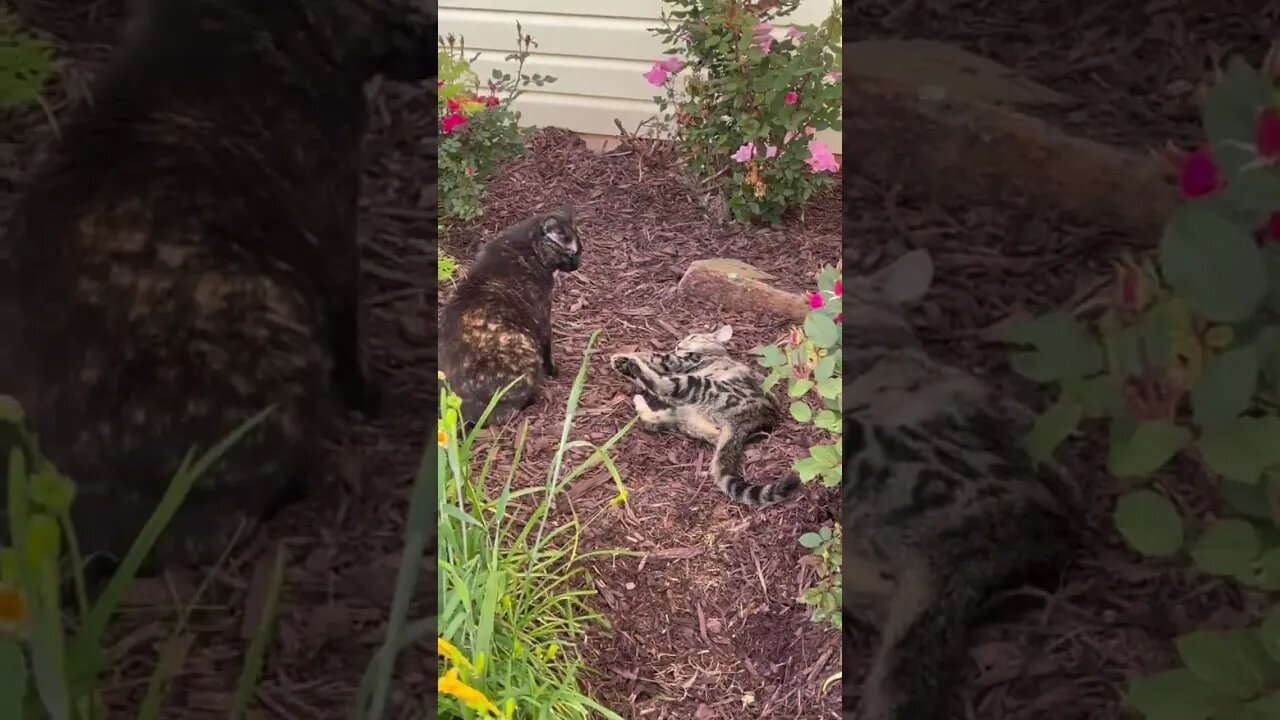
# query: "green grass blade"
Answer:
x=252 y=669
x=90 y=636
x=13 y=677
x=421 y=522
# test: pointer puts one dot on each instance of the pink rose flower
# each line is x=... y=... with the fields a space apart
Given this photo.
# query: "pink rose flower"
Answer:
x=820 y=158
x=744 y=153
x=657 y=75
x=791 y=98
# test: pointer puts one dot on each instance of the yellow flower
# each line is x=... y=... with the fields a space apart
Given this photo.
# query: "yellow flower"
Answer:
x=13 y=609
x=471 y=697
x=455 y=656
x=441 y=439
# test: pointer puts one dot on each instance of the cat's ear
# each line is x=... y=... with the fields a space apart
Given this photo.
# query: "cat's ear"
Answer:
x=723 y=334
x=906 y=279
x=567 y=211
x=553 y=229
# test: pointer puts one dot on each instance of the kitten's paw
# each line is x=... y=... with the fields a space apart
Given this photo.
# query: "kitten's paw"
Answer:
x=624 y=365
x=552 y=370
x=642 y=407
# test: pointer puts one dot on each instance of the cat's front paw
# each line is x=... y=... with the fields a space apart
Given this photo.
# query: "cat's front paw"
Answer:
x=624 y=365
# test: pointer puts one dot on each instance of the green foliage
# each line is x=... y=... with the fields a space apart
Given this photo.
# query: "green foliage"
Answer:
x=826 y=596
x=1183 y=359
x=811 y=361
x=512 y=581
x=49 y=670
x=26 y=63
x=446 y=266
x=477 y=131
x=750 y=97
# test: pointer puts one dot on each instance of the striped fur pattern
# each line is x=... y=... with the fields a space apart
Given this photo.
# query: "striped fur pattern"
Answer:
x=942 y=508
x=699 y=391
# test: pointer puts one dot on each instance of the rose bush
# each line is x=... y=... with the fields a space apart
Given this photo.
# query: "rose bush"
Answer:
x=1182 y=357
x=478 y=128
x=810 y=359
x=752 y=100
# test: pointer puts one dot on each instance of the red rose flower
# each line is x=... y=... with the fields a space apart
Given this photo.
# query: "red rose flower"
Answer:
x=1200 y=175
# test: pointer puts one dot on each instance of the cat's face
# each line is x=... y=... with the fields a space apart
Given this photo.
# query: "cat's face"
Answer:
x=556 y=241
x=715 y=343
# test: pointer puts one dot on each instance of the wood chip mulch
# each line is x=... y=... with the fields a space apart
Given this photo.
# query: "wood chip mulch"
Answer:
x=704 y=623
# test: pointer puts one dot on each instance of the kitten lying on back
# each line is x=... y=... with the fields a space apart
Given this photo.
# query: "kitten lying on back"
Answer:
x=496 y=328
x=702 y=393
x=941 y=505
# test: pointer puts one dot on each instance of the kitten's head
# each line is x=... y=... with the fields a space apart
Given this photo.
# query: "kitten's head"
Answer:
x=707 y=343
x=878 y=302
x=555 y=240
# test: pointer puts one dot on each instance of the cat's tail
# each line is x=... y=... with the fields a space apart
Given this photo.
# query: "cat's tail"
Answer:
x=727 y=465
x=936 y=599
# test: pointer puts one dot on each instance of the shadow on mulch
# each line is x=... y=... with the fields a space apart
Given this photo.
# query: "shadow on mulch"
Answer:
x=705 y=624
x=1134 y=68
x=343 y=544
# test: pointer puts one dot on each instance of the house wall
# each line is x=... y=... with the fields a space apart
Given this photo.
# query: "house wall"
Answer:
x=597 y=50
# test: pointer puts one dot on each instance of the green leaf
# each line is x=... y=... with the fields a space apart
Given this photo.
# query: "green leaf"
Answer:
x=13 y=676
x=827 y=420
x=828 y=455
x=1098 y=396
x=1051 y=428
x=1226 y=547
x=1242 y=448
x=1230 y=113
x=772 y=356
x=1213 y=264
x=799 y=387
x=801 y=411
x=1266 y=573
x=1251 y=501
x=830 y=387
x=1150 y=523
x=826 y=367
x=822 y=329
x=1225 y=389
x=1063 y=348
x=1152 y=444
x=1172 y=695
x=1269 y=633
x=1250 y=197
x=1226 y=661
x=808 y=468
x=810 y=540
x=1266 y=707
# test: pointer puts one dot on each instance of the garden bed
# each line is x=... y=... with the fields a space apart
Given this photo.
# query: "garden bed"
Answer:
x=705 y=624
x=1132 y=71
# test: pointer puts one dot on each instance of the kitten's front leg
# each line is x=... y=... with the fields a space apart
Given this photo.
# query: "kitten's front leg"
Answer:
x=632 y=366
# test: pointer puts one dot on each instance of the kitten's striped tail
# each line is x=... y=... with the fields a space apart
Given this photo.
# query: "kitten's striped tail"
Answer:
x=727 y=465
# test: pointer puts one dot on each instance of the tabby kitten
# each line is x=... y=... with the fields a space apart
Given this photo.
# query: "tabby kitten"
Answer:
x=704 y=394
x=941 y=506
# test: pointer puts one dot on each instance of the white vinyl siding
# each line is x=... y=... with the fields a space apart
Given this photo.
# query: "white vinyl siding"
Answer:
x=598 y=51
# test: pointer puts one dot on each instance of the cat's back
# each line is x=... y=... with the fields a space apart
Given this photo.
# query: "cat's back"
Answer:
x=165 y=266
x=929 y=444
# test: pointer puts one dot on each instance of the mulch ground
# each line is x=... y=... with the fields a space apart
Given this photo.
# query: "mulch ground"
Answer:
x=1134 y=70
x=705 y=624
